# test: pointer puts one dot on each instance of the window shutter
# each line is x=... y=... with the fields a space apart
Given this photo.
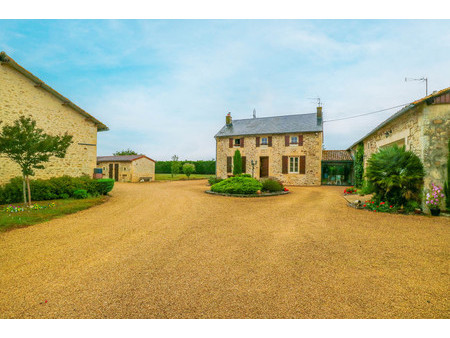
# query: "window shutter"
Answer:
x=286 y=140
x=270 y=141
x=229 y=169
x=244 y=164
x=284 y=169
x=302 y=164
x=231 y=143
x=257 y=141
x=300 y=140
x=242 y=142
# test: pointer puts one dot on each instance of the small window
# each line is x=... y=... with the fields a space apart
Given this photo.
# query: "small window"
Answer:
x=294 y=139
x=293 y=164
x=104 y=168
x=264 y=141
x=237 y=141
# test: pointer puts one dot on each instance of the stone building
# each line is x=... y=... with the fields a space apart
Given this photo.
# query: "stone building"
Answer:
x=22 y=93
x=422 y=127
x=286 y=147
x=127 y=168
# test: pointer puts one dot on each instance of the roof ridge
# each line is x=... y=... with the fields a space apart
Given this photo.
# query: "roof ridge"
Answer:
x=268 y=117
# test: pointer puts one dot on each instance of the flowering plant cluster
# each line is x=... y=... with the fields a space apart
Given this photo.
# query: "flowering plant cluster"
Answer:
x=14 y=209
x=286 y=189
x=349 y=191
x=434 y=198
x=379 y=206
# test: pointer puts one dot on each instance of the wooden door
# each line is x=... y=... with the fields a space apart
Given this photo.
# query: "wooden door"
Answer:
x=110 y=173
x=264 y=166
x=116 y=172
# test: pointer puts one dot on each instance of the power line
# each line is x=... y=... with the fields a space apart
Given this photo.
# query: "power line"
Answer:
x=373 y=112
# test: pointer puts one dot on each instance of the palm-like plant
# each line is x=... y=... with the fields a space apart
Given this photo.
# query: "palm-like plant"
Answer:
x=396 y=174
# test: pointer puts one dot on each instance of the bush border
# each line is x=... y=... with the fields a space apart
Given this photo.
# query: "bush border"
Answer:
x=264 y=194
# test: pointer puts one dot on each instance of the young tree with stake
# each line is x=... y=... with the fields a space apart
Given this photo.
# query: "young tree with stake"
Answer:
x=30 y=147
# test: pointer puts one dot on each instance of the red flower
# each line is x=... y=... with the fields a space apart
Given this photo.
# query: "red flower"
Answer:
x=390 y=206
x=364 y=205
x=381 y=202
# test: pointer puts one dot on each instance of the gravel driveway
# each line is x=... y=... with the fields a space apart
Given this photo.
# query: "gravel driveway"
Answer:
x=168 y=250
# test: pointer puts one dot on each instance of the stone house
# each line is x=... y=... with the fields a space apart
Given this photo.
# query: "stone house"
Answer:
x=22 y=93
x=422 y=127
x=127 y=168
x=285 y=147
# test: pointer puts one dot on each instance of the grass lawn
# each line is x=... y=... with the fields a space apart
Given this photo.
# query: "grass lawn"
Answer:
x=9 y=221
x=168 y=177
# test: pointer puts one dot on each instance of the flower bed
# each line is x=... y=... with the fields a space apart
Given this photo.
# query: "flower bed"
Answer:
x=262 y=194
x=15 y=209
x=350 y=191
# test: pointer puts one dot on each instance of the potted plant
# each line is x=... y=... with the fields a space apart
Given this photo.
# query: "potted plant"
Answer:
x=434 y=199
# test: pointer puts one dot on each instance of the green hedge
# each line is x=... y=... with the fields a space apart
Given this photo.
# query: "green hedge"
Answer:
x=237 y=185
x=271 y=185
x=201 y=167
x=54 y=188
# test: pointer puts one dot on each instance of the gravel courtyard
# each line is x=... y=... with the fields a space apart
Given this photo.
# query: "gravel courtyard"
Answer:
x=168 y=250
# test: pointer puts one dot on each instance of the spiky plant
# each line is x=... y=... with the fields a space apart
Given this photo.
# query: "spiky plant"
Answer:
x=396 y=175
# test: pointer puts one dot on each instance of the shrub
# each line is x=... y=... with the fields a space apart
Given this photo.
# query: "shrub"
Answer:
x=272 y=185
x=237 y=163
x=350 y=191
x=188 y=169
x=213 y=180
x=237 y=185
x=104 y=185
x=12 y=192
x=243 y=175
x=64 y=196
x=80 y=194
x=396 y=175
x=380 y=206
x=367 y=188
x=359 y=165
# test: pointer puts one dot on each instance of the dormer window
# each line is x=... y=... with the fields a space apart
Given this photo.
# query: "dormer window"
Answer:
x=294 y=140
x=264 y=141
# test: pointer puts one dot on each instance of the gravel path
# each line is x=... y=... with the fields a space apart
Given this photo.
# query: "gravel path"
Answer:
x=168 y=250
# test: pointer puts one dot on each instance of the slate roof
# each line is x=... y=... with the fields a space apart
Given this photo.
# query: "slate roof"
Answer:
x=272 y=125
x=402 y=111
x=123 y=158
x=336 y=155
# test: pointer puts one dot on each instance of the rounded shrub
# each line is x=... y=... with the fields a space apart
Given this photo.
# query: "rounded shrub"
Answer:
x=104 y=185
x=213 y=180
x=271 y=185
x=237 y=185
x=80 y=194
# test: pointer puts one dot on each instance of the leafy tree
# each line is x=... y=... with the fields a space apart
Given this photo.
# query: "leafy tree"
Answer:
x=188 y=169
x=125 y=152
x=175 y=166
x=237 y=163
x=396 y=175
x=29 y=147
x=359 y=166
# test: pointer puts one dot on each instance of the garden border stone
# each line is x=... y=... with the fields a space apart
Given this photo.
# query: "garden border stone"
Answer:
x=277 y=193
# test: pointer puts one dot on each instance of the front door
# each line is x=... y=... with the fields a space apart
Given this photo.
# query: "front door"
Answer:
x=116 y=172
x=110 y=174
x=264 y=166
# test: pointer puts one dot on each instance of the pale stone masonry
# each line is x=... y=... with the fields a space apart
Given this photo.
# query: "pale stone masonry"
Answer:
x=128 y=168
x=285 y=147
x=422 y=127
x=21 y=93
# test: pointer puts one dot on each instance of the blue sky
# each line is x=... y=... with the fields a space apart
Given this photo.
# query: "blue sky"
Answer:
x=164 y=86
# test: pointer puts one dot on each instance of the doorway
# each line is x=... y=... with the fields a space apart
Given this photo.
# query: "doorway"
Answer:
x=264 y=166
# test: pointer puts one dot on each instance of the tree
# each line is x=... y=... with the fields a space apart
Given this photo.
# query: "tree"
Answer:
x=237 y=163
x=29 y=147
x=396 y=174
x=175 y=166
x=359 y=166
x=125 y=152
x=188 y=169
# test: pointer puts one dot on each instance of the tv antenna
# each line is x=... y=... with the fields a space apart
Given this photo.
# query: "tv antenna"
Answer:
x=319 y=103
x=422 y=79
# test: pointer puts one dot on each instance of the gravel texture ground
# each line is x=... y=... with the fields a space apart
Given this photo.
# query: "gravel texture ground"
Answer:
x=168 y=250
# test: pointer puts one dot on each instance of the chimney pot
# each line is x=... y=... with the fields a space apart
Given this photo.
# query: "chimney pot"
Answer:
x=228 y=119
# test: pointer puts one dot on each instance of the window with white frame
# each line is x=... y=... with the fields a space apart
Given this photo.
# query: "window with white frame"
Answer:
x=293 y=165
x=294 y=139
x=264 y=141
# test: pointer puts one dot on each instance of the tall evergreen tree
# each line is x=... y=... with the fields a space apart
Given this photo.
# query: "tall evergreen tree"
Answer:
x=237 y=163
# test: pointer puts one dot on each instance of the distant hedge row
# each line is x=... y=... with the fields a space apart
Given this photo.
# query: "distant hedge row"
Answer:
x=201 y=167
x=54 y=188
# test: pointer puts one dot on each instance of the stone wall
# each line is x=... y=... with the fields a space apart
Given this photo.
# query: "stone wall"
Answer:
x=143 y=167
x=19 y=96
x=311 y=149
x=125 y=170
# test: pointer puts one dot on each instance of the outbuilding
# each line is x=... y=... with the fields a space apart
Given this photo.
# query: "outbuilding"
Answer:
x=127 y=168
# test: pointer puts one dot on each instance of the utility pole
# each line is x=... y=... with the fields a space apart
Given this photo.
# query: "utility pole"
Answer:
x=422 y=79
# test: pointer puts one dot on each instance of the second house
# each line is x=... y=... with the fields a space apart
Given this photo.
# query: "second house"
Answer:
x=127 y=168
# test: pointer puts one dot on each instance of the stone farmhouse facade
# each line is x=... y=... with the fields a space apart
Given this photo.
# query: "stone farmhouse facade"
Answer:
x=127 y=168
x=22 y=93
x=288 y=148
x=422 y=127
